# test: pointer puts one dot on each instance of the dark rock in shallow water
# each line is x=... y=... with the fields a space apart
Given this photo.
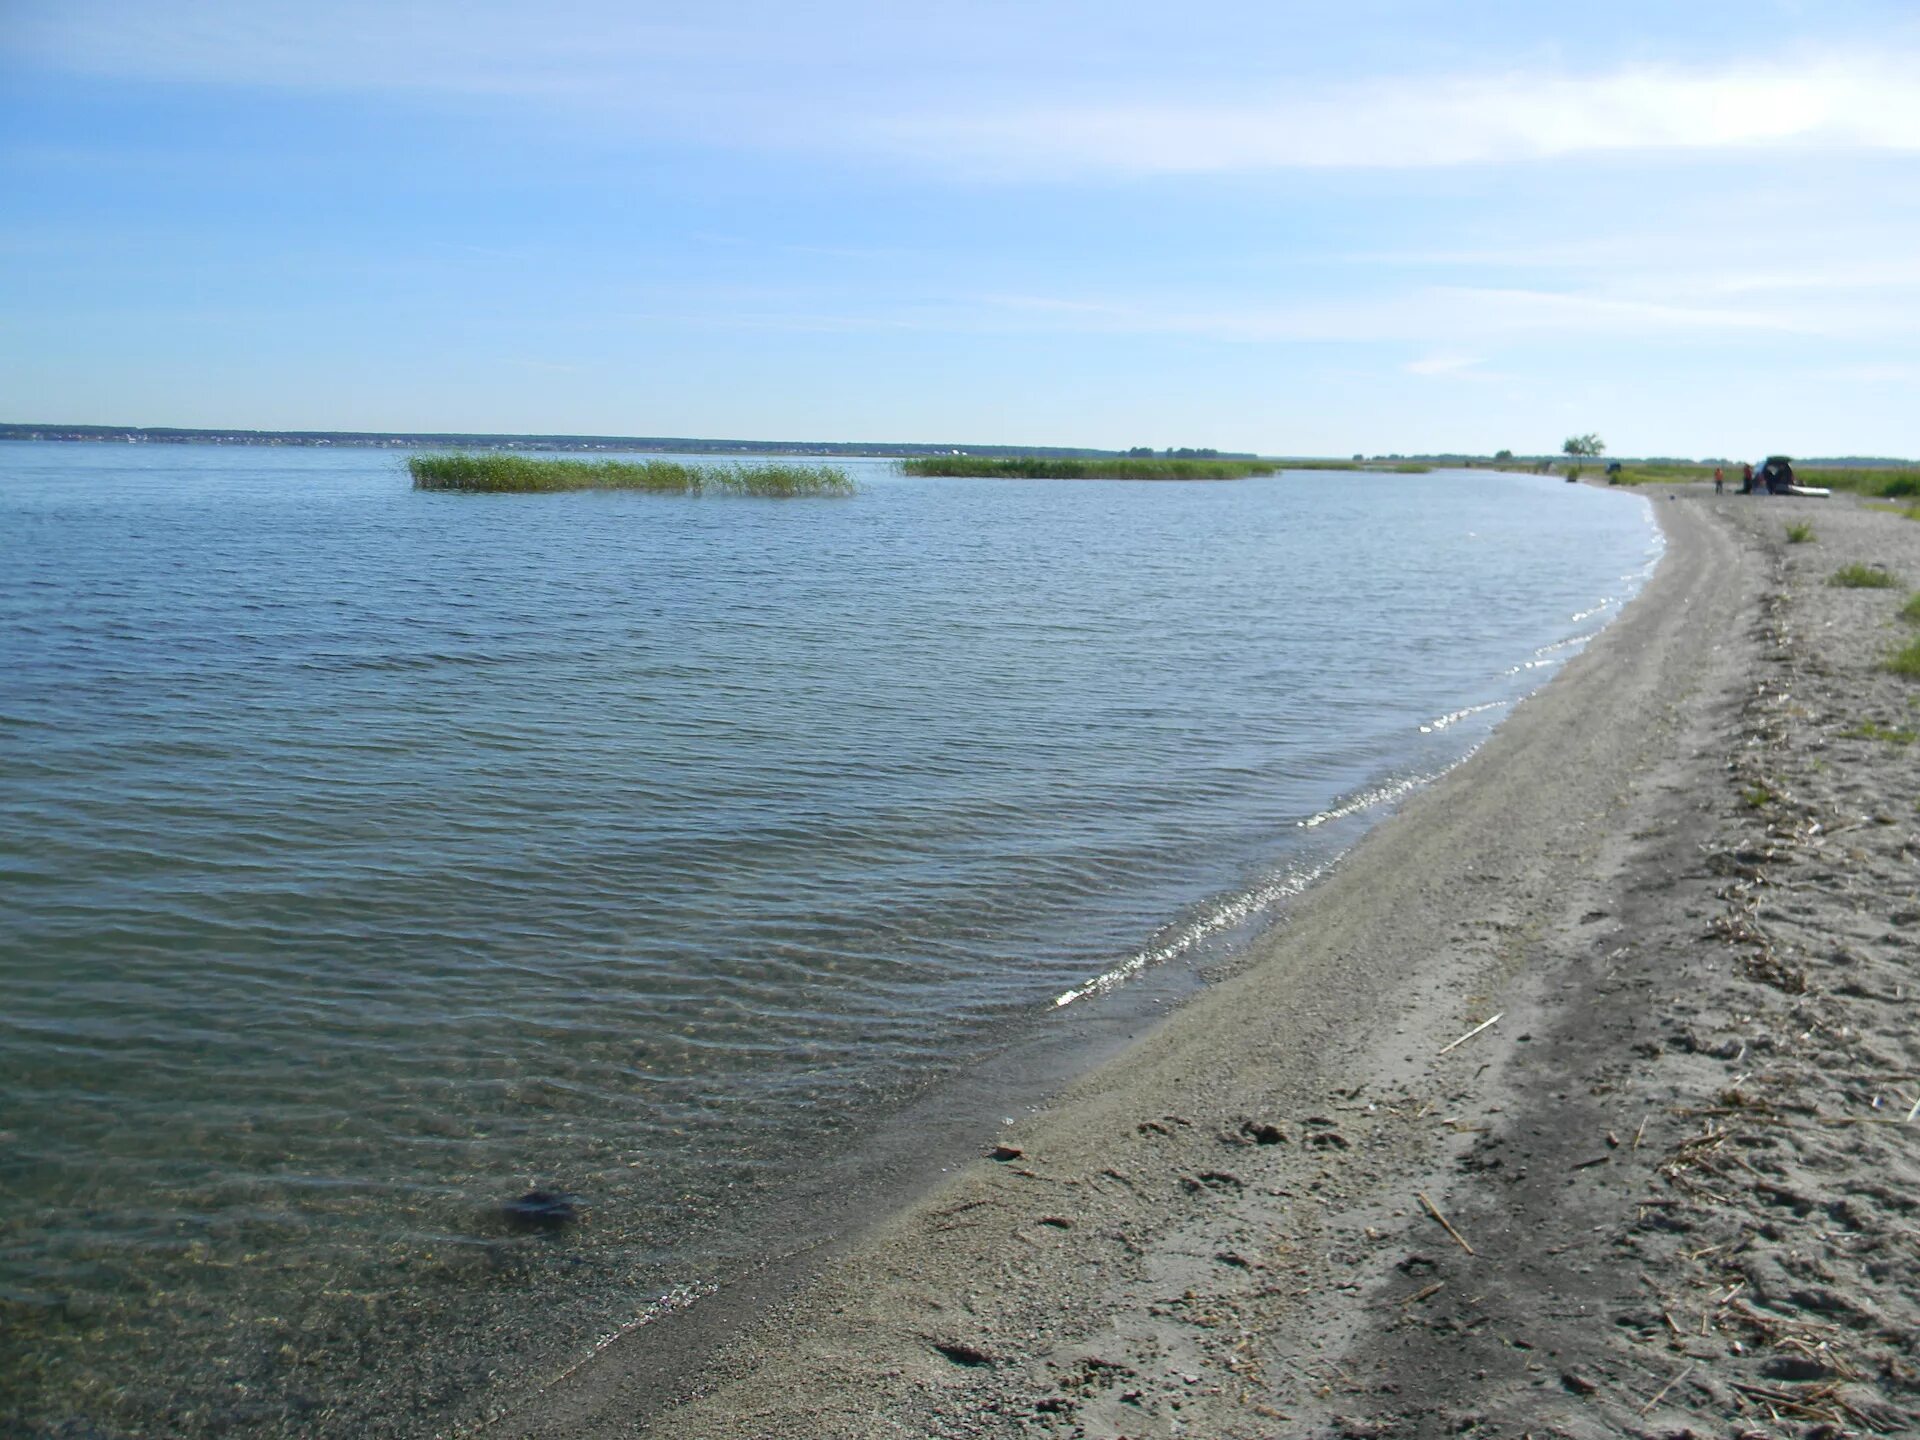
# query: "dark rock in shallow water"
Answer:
x=540 y=1210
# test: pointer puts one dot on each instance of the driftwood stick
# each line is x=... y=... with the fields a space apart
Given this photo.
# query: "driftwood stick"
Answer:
x=1445 y=1224
x=1799 y=1406
x=1469 y=1035
x=1661 y=1393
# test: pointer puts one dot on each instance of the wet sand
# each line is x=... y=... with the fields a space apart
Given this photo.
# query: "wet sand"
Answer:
x=1669 y=1184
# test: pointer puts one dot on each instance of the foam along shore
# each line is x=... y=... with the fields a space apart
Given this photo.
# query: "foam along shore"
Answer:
x=1550 y=1106
x=524 y=474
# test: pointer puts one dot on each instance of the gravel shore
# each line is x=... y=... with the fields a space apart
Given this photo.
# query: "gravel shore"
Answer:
x=1575 y=1101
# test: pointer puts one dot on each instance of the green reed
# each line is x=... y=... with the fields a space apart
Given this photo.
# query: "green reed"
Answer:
x=1889 y=482
x=1033 y=467
x=526 y=474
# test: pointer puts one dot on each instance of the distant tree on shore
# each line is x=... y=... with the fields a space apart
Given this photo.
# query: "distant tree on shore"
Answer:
x=1579 y=445
x=1501 y=457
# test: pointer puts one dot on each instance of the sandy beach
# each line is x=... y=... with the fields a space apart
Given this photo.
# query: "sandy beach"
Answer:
x=1574 y=1101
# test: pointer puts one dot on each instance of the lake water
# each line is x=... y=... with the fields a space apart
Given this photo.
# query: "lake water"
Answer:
x=369 y=857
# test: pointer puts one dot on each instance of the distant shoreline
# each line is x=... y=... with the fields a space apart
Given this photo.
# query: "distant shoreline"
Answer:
x=434 y=439
x=851 y=449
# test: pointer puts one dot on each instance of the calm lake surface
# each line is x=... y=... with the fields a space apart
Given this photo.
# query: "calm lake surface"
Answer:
x=370 y=857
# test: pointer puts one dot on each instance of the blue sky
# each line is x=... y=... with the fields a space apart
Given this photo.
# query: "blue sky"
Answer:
x=1297 y=228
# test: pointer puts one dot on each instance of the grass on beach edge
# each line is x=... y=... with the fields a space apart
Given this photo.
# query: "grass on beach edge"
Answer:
x=525 y=474
x=1855 y=576
x=1888 y=482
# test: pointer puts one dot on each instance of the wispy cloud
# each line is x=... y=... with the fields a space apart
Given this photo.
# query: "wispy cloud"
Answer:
x=1456 y=325
x=1432 y=315
x=1883 y=374
x=749 y=72
x=483 y=47
x=1867 y=274
x=1858 y=103
x=1452 y=366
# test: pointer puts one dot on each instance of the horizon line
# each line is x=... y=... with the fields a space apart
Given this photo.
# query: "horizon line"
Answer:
x=64 y=432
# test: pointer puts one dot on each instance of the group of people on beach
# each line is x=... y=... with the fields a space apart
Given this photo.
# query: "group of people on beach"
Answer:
x=1774 y=478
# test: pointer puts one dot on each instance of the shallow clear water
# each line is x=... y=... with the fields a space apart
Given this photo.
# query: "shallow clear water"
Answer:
x=369 y=856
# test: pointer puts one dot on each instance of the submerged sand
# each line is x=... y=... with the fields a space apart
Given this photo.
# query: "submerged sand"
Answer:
x=1672 y=1185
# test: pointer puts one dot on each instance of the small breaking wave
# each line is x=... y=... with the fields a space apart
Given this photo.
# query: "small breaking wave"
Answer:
x=1455 y=717
x=679 y=1297
x=1553 y=654
x=1369 y=799
x=1226 y=914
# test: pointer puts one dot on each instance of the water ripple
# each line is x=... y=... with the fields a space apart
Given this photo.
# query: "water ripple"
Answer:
x=371 y=857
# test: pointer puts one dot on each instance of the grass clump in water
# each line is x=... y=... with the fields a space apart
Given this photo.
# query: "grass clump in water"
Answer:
x=1874 y=730
x=526 y=474
x=1799 y=532
x=1861 y=577
x=1033 y=467
x=1911 y=610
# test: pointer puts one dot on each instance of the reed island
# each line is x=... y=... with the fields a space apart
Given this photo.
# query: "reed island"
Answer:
x=525 y=474
x=1036 y=467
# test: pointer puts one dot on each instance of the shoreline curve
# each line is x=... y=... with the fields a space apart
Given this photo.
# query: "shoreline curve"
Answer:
x=1276 y=1206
